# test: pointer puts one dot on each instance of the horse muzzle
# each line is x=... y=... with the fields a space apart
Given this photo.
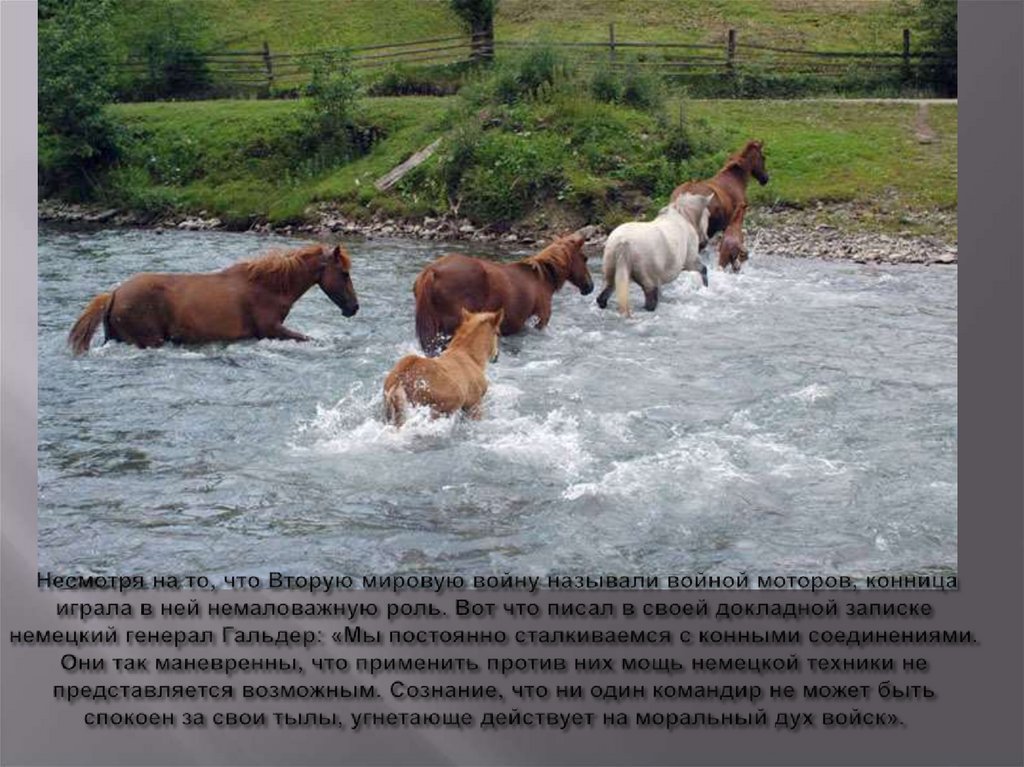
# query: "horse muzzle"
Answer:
x=762 y=180
x=587 y=289
x=348 y=311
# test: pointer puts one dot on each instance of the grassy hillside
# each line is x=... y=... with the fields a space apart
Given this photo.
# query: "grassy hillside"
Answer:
x=304 y=25
x=232 y=158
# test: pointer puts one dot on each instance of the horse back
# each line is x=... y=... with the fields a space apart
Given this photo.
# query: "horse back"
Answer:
x=722 y=206
x=455 y=282
x=189 y=308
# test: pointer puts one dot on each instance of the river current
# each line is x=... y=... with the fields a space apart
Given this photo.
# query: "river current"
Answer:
x=800 y=417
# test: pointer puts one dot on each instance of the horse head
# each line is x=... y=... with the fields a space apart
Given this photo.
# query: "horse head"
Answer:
x=335 y=279
x=753 y=157
x=479 y=329
x=578 y=273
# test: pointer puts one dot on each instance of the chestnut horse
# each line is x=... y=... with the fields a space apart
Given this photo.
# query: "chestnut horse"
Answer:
x=729 y=185
x=249 y=299
x=522 y=289
x=731 y=250
x=455 y=381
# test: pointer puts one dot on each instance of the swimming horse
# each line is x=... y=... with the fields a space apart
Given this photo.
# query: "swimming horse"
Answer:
x=522 y=289
x=455 y=381
x=249 y=299
x=653 y=253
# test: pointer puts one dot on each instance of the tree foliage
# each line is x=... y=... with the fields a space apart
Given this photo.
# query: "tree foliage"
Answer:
x=938 y=24
x=75 y=134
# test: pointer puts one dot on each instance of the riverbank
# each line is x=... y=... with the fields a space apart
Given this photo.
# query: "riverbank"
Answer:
x=795 y=233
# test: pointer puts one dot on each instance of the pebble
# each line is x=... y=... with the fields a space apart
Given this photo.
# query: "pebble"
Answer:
x=803 y=241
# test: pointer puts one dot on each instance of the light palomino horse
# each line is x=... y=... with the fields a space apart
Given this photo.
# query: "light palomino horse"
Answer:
x=653 y=253
x=454 y=381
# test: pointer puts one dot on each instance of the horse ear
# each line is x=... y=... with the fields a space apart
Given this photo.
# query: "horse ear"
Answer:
x=498 y=318
x=710 y=198
x=336 y=253
x=464 y=314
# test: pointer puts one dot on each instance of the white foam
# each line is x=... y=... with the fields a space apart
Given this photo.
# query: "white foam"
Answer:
x=811 y=393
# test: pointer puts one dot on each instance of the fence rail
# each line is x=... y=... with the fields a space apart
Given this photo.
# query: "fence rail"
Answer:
x=263 y=72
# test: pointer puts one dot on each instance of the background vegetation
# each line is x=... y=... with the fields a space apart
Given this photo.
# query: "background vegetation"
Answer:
x=535 y=139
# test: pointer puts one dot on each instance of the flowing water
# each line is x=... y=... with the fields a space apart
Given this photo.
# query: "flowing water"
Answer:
x=800 y=417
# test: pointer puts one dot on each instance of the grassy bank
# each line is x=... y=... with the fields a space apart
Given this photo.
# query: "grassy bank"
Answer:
x=242 y=160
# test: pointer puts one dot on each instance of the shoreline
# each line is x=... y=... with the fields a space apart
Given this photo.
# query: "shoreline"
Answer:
x=790 y=233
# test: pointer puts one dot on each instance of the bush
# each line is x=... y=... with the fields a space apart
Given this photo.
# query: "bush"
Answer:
x=642 y=90
x=77 y=140
x=535 y=73
x=167 y=38
x=333 y=92
x=938 y=20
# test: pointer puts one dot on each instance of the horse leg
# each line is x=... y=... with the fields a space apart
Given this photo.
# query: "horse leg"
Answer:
x=604 y=295
x=286 y=334
x=704 y=275
x=650 y=298
x=475 y=412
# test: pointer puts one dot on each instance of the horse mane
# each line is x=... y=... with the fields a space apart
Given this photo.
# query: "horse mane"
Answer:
x=280 y=269
x=737 y=160
x=553 y=262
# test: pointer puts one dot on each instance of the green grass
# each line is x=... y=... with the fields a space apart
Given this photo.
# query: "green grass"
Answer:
x=230 y=158
x=866 y=154
x=815 y=24
x=305 y=25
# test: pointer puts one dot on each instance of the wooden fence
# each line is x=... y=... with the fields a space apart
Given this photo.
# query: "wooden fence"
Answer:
x=265 y=72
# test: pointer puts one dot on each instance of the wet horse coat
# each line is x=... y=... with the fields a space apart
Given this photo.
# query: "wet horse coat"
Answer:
x=250 y=299
x=522 y=289
x=729 y=185
x=652 y=253
x=731 y=250
x=454 y=381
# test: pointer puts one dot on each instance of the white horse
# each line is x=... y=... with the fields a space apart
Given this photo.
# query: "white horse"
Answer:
x=653 y=253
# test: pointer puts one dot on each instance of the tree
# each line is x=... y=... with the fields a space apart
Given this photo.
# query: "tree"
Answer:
x=75 y=134
x=938 y=25
x=478 y=16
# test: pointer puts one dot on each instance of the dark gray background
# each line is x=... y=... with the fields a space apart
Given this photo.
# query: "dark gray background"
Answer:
x=975 y=720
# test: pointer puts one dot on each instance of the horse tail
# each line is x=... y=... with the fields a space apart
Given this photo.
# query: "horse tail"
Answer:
x=82 y=331
x=622 y=280
x=427 y=325
x=394 y=404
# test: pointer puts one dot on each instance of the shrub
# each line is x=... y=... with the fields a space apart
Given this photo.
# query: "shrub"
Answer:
x=642 y=90
x=167 y=38
x=333 y=92
x=77 y=140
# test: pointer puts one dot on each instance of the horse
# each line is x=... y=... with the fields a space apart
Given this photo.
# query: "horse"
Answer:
x=249 y=299
x=653 y=253
x=454 y=381
x=522 y=289
x=731 y=250
x=729 y=185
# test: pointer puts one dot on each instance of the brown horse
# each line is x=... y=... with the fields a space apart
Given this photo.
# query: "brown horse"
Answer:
x=522 y=289
x=249 y=299
x=731 y=250
x=452 y=382
x=729 y=185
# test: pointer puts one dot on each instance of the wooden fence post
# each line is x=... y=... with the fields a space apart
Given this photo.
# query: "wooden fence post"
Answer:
x=730 y=51
x=268 y=63
x=907 y=71
x=611 y=42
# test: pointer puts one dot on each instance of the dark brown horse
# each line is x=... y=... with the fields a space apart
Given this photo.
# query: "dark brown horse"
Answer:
x=731 y=250
x=249 y=299
x=522 y=289
x=729 y=185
